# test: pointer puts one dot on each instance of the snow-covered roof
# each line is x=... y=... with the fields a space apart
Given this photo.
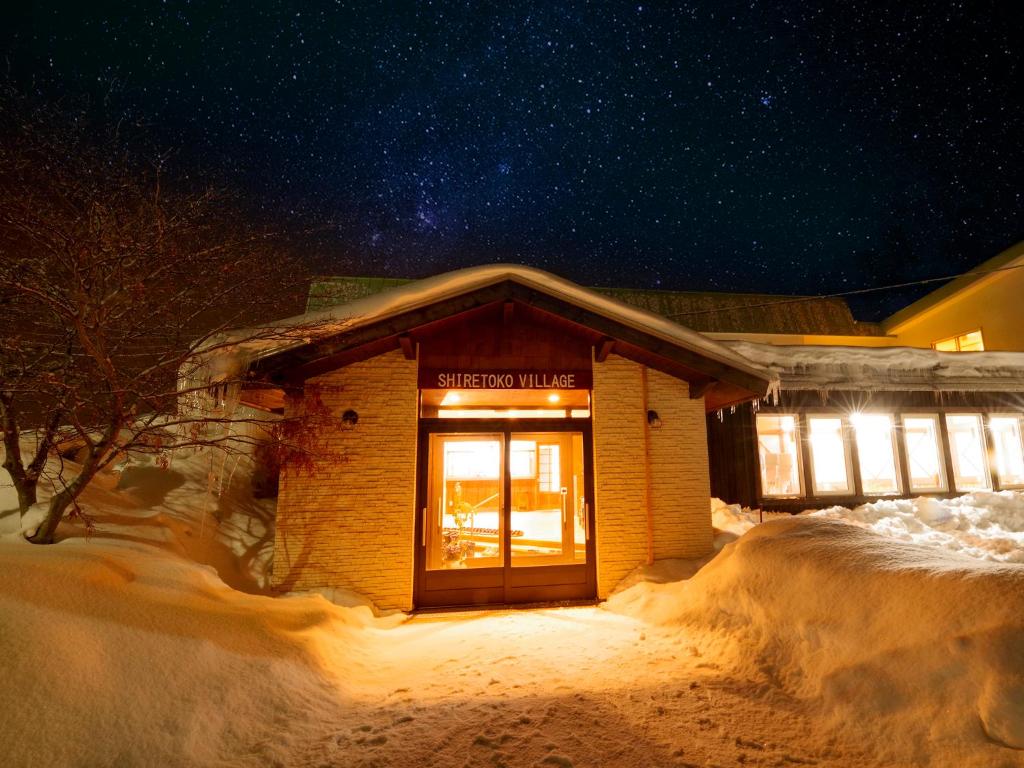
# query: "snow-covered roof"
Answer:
x=331 y=321
x=886 y=368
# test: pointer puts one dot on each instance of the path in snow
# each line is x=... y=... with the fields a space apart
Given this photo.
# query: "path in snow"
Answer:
x=562 y=687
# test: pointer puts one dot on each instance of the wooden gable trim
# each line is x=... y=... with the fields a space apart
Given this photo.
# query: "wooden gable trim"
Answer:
x=328 y=354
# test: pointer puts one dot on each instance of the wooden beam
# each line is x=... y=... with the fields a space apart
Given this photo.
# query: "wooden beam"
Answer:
x=689 y=358
x=407 y=345
x=604 y=349
x=699 y=388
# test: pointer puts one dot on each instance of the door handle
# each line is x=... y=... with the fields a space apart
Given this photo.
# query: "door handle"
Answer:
x=586 y=520
x=424 y=532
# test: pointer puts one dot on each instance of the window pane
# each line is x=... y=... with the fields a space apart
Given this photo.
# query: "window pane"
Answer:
x=523 y=459
x=924 y=459
x=548 y=525
x=946 y=345
x=462 y=518
x=472 y=460
x=876 y=452
x=1009 y=450
x=971 y=342
x=967 y=449
x=779 y=450
x=829 y=465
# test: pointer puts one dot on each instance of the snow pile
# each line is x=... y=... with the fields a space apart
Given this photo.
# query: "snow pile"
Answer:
x=117 y=653
x=983 y=525
x=921 y=652
x=200 y=508
x=886 y=368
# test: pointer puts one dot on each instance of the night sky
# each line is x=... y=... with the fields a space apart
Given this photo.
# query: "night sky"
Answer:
x=708 y=146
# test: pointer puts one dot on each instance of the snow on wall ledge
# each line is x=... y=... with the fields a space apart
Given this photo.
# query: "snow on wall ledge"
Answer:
x=886 y=368
x=884 y=635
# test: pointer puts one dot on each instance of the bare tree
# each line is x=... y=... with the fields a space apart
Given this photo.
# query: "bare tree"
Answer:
x=117 y=284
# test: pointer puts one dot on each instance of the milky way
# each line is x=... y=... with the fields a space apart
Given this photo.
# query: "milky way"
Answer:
x=724 y=146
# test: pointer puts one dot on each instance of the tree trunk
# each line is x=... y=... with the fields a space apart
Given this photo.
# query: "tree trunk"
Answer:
x=26 y=493
x=59 y=503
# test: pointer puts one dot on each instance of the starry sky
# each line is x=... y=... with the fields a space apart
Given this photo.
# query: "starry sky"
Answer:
x=755 y=146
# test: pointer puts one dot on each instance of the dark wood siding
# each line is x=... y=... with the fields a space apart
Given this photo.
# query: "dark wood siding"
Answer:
x=732 y=452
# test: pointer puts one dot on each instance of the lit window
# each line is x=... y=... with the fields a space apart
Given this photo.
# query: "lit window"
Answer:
x=965 y=342
x=876 y=452
x=924 y=459
x=779 y=448
x=1009 y=449
x=830 y=462
x=550 y=472
x=523 y=459
x=472 y=460
x=967 y=449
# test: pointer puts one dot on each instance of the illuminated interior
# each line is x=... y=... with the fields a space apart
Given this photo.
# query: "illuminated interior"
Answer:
x=548 y=513
x=1008 y=449
x=924 y=457
x=778 y=443
x=505 y=403
x=830 y=466
x=465 y=525
x=967 y=450
x=876 y=452
x=965 y=342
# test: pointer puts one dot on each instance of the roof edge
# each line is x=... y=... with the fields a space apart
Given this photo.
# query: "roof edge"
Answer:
x=949 y=291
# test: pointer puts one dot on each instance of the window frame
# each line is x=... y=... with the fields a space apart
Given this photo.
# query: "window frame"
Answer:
x=852 y=478
x=941 y=447
x=954 y=485
x=997 y=480
x=798 y=440
x=956 y=339
x=894 y=445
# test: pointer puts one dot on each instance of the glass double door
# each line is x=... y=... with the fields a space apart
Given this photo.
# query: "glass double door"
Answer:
x=505 y=517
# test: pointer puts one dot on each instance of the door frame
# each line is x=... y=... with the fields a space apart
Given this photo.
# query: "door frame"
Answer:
x=496 y=586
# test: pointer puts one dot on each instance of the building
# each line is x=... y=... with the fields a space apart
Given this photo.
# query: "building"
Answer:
x=495 y=435
x=498 y=435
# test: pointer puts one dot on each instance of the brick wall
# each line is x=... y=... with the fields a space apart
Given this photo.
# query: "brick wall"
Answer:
x=678 y=478
x=351 y=524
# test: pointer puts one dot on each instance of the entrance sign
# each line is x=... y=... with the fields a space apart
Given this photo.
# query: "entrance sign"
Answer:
x=432 y=378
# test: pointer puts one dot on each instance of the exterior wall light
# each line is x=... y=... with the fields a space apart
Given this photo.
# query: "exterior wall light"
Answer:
x=653 y=419
x=350 y=418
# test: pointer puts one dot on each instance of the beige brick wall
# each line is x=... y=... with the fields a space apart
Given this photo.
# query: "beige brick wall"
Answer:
x=351 y=524
x=679 y=478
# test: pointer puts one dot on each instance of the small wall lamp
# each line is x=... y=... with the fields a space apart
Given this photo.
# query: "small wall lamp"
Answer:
x=653 y=419
x=350 y=418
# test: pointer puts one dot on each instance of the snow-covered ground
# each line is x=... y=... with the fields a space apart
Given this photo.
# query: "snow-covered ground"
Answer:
x=803 y=642
x=983 y=525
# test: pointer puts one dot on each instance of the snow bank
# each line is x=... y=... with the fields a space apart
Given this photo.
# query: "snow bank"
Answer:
x=825 y=368
x=983 y=525
x=918 y=649
x=150 y=659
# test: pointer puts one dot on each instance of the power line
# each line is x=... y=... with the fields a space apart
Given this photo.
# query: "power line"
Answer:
x=841 y=294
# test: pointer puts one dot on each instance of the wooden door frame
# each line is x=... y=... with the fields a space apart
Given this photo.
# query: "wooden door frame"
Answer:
x=505 y=427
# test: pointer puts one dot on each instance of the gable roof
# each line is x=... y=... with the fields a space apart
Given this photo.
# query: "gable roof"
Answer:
x=1011 y=258
x=334 y=335
x=704 y=311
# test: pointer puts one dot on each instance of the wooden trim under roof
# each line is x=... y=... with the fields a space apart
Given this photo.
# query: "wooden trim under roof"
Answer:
x=731 y=384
